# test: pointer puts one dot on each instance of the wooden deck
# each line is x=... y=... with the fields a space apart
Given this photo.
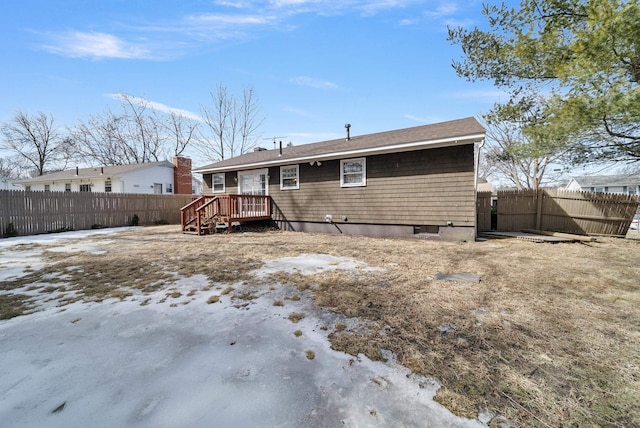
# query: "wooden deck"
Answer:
x=208 y=213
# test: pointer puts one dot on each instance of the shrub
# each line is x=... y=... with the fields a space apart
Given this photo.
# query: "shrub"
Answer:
x=135 y=220
x=10 y=231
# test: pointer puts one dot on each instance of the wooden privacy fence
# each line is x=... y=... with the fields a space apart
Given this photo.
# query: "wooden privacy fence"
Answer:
x=32 y=213
x=558 y=210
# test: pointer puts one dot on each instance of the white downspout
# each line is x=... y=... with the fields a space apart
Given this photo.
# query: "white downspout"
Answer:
x=475 y=188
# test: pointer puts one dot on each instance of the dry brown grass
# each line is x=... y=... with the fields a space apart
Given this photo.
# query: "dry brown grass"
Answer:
x=549 y=337
x=295 y=317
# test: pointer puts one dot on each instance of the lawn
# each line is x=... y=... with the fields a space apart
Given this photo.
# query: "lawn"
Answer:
x=550 y=336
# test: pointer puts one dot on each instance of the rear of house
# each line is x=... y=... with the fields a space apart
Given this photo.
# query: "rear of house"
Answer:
x=396 y=183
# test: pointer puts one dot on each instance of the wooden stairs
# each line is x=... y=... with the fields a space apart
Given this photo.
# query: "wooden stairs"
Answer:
x=215 y=213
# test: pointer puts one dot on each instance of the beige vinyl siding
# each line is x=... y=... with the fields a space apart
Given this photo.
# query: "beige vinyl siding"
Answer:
x=230 y=186
x=426 y=187
x=230 y=183
x=207 y=184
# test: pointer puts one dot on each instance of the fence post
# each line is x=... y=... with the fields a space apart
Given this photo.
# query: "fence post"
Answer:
x=539 y=196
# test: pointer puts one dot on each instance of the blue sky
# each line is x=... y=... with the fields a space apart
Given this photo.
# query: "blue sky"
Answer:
x=315 y=65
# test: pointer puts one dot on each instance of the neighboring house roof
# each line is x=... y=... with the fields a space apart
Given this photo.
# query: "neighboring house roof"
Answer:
x=607 y=180
x=93 y=172
x=427 y=136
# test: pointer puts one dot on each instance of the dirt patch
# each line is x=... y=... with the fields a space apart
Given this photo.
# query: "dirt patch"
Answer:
x=549 y=337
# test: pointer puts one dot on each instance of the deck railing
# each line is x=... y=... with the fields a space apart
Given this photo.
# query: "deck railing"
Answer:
x=226 y=209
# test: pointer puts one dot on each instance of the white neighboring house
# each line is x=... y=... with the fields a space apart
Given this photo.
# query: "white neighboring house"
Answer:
x=143 y=178
x=196 y=186
x=5 y=185
x=626 y=184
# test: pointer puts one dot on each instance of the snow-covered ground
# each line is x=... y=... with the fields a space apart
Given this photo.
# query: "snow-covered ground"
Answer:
x=194 y=364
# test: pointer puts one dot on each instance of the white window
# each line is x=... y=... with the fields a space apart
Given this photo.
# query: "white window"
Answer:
x=353 y=172
x=67 y=187
x=289 y=177
x=254 y=182
x=47 y=187
x=169 y=187
x=85 y=187
x=107 y=185
x=217 y=183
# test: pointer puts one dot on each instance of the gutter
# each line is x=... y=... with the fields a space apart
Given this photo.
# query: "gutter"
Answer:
x=475 y=188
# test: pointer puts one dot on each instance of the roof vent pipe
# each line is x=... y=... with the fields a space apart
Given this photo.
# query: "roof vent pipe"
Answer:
x=101 y=170
x=280 y=148
x=347 y=127
x=76 y=171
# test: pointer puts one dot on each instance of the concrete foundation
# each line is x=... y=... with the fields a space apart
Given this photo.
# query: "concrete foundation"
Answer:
x=457 y=234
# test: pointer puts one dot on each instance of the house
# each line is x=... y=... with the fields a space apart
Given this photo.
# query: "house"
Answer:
x=628 y=184
x=145 y=178
x=395 y=183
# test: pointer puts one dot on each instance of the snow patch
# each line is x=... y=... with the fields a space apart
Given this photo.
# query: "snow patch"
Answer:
x=309 y=264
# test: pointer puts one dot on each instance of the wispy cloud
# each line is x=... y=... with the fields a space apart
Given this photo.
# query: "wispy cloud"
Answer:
x=313 y=83
x=464 y=23
x=228 y=20
x=372 y=7
x=235 y=4
x=143 y=102
x=488 y=95
x=424 y=119
x=300 y=112
x=286 y=3
x=77 y=44
x=222 y=19
x=445 y=9
x=299 y=138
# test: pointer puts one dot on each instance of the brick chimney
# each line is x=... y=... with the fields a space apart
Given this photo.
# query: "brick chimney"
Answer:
x=182 y=176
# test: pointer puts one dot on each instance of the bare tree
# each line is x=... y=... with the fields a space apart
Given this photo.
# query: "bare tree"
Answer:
x=141 y=127
x=100 y=139
x=250 y=119
x=519 y=146
x=36 y=142
x=230 y=124
x=216 y=119
x=9 y=169
x=181 y=131
x=138 y=134
x=508 y=155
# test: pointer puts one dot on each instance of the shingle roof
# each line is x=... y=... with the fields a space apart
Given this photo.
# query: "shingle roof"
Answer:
x=93 y=172
x=439 y=134
x=608 y=180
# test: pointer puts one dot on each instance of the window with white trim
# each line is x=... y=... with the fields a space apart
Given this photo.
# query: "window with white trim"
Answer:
x=107 y=185
x=67 y=187
x=217 y=183
x=47 y=187
x=289 y=177
x=168 y=187
x=353 y=172
x=85 y=187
